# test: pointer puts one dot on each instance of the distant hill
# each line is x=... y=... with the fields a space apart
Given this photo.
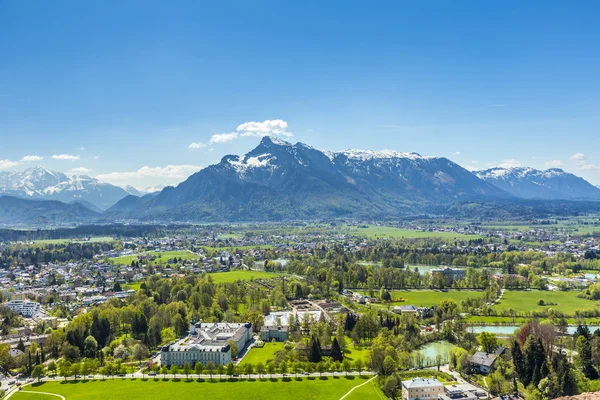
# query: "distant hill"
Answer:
x=42 y=183
x=18 y=211
x=279 y=180
x=529 y=183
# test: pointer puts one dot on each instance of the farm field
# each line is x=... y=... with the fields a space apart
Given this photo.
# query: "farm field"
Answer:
x=327 y=389
x=241 y=275
x=426 y=297
x=373 y=231
x=262 y=354
x=98 y=239
x=524 y=301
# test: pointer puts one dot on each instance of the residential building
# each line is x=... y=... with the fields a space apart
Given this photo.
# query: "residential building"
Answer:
x=422 y=388
x=483 y=362
x=24 y=307
x=451 y=274
x=278 y=333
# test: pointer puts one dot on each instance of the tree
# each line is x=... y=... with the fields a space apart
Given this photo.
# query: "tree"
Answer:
x=584 y=357
x=488 y=341
x=283 y=367
x=140 y=352
x=260 y=368
x=321 y=367
x=234 y=348
x=65 y=368
x=248 y=369
x=38 y=372
x=198 y=368
x=210 y=367
x=336 y=351
x=220 y=370
x=90 y=346
x=164 y=371
x=230 y=369
x=52 y=367
x=358 y=365
x=121 y=352
x=389 y=365
x=187 y=370
x=270 y=368
x=314 y=351
x=346 y=366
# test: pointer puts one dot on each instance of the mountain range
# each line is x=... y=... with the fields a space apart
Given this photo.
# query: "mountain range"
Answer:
x=279 y=180
x=41 y=183
x=283 y=181
x=551 y=184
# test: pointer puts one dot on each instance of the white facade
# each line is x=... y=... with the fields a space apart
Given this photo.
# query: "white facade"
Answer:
x=207 y=342
x=24 y=307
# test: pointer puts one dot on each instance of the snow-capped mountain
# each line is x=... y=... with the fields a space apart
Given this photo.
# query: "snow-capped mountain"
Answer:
x=41 y=183
x=280 y=180
x=551 y=184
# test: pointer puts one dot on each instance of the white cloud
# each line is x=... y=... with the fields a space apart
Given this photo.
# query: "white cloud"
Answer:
x=266 y=128
x=554 y=163
x=4 y=164
x=470 y=168
x=65 y=157
x=252 y=128
x=217 y=138
x=456 y=153
x=151 y=176
x=509 y=163
x=474 y=162
x=222 y=137
x=590 y=167
x=195 y=146
x=80 y=170
x=578 y=157
x=31 y=158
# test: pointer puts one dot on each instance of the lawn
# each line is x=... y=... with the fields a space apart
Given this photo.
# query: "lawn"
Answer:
x=369 y=391
x=373 y=231
x=427 y=297
x=523 y=301
x=241 y=275
x=262 y=354
x=353 y=353
x=157 y=389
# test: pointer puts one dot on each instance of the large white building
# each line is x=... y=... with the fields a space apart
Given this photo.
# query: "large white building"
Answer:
x=207 y=342
x=24 y=307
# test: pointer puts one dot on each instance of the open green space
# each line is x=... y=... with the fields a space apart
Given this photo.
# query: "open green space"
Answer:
x=262 y=354
x=374 y=231
x=98 y=239
x=161 y=257
x=426 y=297
x=241 y=275
x=353 y=352
x=369 y=390
x=331 y=388
x=527 y=301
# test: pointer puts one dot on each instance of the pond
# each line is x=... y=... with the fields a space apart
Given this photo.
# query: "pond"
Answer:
x=431 y=350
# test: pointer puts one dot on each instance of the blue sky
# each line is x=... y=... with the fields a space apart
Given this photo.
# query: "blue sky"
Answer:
x=122 y=89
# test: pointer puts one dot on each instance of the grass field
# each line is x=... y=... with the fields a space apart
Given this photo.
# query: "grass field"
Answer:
x=127 y=389
x=353 y=353
x=523 y=301
x=373 y=231
x=426 y=297
x=368 y=391
x=163 y=257
x=98 y=239
x=241 y=275
x=262 y=354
